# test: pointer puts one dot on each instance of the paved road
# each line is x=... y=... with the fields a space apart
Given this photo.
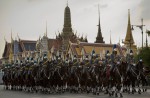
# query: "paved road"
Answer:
x=20 y=94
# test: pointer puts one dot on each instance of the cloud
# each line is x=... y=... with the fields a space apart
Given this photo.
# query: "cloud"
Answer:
x=145 y=8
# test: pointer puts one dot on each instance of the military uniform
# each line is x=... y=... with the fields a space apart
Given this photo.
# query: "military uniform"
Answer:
x=113 y=58
x=86 y=62
x=75 y=61
x=130 y=60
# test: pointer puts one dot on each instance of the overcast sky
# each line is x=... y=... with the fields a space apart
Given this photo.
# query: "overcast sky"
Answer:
x=28 y=18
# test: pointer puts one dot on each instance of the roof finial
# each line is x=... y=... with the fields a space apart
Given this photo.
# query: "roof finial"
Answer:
x=39 y=38
x=5 y=39
x=119 y=41
x=11 y=36
x=128 y=16
x=18 y=36
x=67 y=2
x=99 y=12
x=46 y=28
x=110 y=38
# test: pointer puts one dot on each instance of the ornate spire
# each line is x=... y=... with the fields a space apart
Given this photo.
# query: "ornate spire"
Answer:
x=129 y=37
x=67 y=20
x=99 y=38
x=119 y=41
x=11 y=49
x=11 y=37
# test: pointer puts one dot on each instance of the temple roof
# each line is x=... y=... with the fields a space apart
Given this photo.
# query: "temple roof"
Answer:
x=27 y=45
x=23 y=45
x=6 y=50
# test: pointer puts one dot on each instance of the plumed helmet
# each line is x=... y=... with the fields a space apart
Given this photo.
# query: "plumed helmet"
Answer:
x=75 y=57
x=107 y=53
x=114 y=47
x=93 y=53
x=60 y=55
x=131 y=52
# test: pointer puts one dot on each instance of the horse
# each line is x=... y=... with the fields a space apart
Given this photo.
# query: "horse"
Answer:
x=141 y=76
x=73 y=81
x=131 y=77
x=6 y=78
x=116 y=82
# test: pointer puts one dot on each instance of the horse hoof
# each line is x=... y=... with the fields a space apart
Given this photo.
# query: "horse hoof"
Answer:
x=121 y=95
x=113 y=93
x=94 y=93
x=139 y=91
x=106 y=92
x=116 y=95
x=110 y=94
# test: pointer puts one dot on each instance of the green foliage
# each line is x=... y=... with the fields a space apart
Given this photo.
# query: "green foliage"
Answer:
x=148 y=32
x=145 y=55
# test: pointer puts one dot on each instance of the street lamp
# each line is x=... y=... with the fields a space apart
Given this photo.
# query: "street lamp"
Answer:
x=141 y=27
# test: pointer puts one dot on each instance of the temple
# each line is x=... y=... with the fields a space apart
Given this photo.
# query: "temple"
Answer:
x=66 y=43
x=19 y=49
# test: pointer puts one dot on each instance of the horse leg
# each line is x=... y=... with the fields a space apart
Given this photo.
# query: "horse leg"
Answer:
x=97 y=90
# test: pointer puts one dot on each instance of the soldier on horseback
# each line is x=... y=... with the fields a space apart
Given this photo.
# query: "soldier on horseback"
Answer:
x=75 y=61
x=114 y=58
x=86 y=62
x=130 y=60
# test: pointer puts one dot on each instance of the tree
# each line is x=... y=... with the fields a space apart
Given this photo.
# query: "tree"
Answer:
x=144 y=54
x=148 y=32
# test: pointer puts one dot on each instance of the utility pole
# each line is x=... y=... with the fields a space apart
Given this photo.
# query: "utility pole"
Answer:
x=141 y=27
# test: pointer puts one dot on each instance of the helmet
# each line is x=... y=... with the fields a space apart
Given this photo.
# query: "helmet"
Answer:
x=114 y=47
x=107 y=53
x=131 y=52
x=93 y=53
x=75 y=57
x=86 y=57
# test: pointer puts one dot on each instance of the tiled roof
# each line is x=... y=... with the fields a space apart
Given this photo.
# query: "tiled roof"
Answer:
x=98 y=47
x=6 y=50
x=27 y=45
